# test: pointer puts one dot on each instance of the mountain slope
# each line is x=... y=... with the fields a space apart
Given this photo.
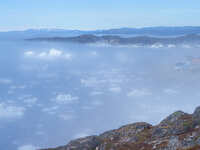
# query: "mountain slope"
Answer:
x=179 y=131
x=117 y=40
x=156 y=31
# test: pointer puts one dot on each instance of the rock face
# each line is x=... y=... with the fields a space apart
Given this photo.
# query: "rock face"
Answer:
x=179 y=131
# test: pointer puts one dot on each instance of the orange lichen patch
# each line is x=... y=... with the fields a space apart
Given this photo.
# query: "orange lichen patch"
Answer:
x=109 y=146
x=181 y=137
x=162 y=145
x=144 y=135
x=164 y=127
x=186 y=117
x=133 y=129
x=189 y=132
x=196 y=60
x=134 y=146
x=197 y=147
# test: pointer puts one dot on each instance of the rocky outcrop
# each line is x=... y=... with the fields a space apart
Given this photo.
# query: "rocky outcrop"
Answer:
x=87 y=143
x=179 y=131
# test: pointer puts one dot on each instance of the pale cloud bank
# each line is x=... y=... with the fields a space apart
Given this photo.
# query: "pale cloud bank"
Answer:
x=66 y=116
x=186 y=46
x=93 y=82
x=139 y=93
x=30 y=101
x=93 y=105
x=157 y=45
x=5 y=81
x=50 y=110
x=170 y=91
x=9 y=111
x=66 y=99
x=48 y=55
x=14 y=87
x=94 y=53
x=95 y=93
x=115 y=89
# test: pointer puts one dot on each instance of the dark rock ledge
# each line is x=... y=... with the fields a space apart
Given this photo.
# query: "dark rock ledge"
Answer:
x=179 y=131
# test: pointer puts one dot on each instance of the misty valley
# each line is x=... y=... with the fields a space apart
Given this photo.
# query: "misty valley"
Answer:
x=53 y=92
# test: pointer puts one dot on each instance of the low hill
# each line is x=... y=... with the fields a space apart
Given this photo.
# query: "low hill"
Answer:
x=117 y=40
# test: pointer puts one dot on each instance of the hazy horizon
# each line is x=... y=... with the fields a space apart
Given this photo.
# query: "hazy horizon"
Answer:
x=96 y=29
x=49 y=89
x=90 y=15
x=53 y=91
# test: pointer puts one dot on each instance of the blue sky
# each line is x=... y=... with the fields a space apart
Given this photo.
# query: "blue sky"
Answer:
x=93 y=14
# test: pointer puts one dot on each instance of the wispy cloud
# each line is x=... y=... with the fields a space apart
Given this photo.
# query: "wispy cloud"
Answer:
x=95 y=93
x=50 y=110
x=48 y=55
x=8 y=111
x=27 y=147
x=66 y=99
x=115 y=89
x=30 y=101
x=170 y=91
x=66 y=116
x=5 y=81
x=139 y=93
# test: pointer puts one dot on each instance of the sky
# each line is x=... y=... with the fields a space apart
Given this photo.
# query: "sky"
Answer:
x=93 y=14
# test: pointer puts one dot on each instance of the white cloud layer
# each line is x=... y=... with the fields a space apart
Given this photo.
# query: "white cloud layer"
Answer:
x=50 y=110
x=115 y=89
x=138 y=93
x=66 y=99
x=170 y=91
x=92 y=82
x=95 y=93
x=157 y=45
x=47 y=55
x=8 y=111
x=5 y=81
x=30 y=101
x=66 y=116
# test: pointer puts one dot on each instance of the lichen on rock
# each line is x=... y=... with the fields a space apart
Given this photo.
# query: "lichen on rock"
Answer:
x=179 y=131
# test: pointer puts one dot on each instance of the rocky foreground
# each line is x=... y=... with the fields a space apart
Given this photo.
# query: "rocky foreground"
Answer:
x=179 y=131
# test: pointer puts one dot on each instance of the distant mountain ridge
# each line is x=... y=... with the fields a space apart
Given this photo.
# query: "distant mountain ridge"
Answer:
x=137 y=31
x=117 y=40
x=152 y=31
x=179 y=131
x=157 y=31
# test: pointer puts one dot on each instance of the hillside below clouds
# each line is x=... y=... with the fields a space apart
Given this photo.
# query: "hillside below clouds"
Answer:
x=179 y=131
x=190 y=39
